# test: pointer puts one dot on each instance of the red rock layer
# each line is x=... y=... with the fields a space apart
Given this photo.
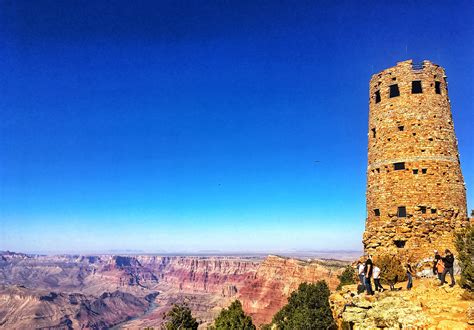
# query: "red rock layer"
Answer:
x=275 y=280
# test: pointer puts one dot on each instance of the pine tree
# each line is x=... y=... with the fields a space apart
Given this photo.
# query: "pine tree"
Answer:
x=348 y=276
x=233 y=318
x=307 y=309
x=465 y=247
x=180 y=317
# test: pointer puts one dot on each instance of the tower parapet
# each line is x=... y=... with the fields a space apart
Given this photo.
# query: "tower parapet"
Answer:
x=416 y=198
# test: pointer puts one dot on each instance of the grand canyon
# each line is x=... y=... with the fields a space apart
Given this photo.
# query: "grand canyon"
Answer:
x=134 y=291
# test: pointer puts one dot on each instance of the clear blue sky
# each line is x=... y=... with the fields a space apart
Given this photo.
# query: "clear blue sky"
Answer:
x=195 y=125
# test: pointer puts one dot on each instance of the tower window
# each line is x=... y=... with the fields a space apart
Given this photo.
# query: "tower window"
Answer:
x=424 y=170
x=399 y=243
x=398 y=166
x=423 y=209
x=416 y=87
x=437 y=87
x=373 y=133
x=415 y=171
x=402 y=212
x=401 y=128
x=394 y=91
x=377 y=212
x=377 y=97
x=433 y=211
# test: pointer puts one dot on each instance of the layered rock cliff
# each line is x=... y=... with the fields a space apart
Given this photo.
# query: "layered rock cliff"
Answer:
x=206 y=283
x=277 y=278
x=26 y=308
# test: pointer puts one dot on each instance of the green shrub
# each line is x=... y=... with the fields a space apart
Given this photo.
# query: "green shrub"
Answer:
x=233 y=318
x=180 y=317
x=465 y=247
x=307 y=309
x=391 y=269
x=348 y=276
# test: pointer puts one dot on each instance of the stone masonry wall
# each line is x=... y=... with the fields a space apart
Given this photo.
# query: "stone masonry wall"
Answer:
x=413 y=162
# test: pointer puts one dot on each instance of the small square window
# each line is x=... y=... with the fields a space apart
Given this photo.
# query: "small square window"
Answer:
x=402 y=212
x=437 y=87
x=423 y=209
x=416 y=87
x=415 y=171
x=424 y=170
x=433 y=211
x=398 y=166
x=374 y=133
x=377 y=97
x=394 y=91
x=401 y=128
x=377 y=212
x=399 y=243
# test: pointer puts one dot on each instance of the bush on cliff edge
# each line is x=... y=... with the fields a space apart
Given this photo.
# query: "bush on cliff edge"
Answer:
x=348 y=276
x=307 y=308
x=465 y=247
x=233 y=318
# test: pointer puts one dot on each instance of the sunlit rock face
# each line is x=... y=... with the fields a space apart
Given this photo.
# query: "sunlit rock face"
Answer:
x=426 y=306
x=277 y=278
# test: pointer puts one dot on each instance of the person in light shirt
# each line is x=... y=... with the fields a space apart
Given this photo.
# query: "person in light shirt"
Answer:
x=360 y=270
x=376 y=276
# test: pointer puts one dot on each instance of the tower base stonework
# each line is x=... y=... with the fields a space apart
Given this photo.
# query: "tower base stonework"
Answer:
x=422 y=235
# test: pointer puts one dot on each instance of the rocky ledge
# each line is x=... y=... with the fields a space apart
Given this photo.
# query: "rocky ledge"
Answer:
x=426 y=306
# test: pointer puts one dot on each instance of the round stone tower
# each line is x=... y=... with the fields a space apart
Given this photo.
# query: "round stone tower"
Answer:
x=416 y=198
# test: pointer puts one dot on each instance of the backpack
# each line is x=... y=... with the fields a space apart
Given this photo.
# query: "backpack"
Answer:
x=440 y=267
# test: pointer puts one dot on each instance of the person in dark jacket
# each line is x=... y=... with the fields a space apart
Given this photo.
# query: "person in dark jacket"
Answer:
x=409 y=275
x=437 y=258
x=368 y=271
x=448 y=261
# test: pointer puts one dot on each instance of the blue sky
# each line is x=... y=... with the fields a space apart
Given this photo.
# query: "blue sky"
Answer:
x=195 y=125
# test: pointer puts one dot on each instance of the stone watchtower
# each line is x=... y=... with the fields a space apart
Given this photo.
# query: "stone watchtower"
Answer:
x=416 y=198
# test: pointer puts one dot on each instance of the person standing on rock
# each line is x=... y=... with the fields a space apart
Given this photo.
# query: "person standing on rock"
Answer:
x=440 y=268
x=368 y=271
x=410 y=276
x=448 y=261
x=378 y=286
x=360 y=270
x=437 y=258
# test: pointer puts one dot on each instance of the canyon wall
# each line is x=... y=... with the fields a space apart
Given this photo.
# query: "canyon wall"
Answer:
x=277 y=278
x=72 y=285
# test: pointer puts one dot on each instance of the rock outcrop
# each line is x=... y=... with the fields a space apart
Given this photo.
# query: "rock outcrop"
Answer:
x=426 y=306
